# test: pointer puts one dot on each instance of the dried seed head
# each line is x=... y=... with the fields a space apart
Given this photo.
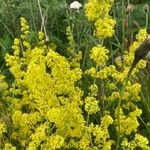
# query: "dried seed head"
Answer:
x=118 y=61
x=47 y=39
x=143 y=49
x=146 y=8
x=129 y=9
x=140 y=53
x=148 y=42
x=148 y=65
x=148 y=56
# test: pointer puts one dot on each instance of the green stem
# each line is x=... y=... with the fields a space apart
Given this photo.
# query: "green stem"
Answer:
x=87 y=120
x=146 y=20
x=118 y=110
x=130 y=40
x=123 y=27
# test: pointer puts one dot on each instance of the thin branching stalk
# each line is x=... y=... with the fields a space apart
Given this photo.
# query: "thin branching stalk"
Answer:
x=7 y=29
x=146 y=15
x=119 y=102
x=123 y=25
x=118 y=111
x=87 y=119
x=43 y=16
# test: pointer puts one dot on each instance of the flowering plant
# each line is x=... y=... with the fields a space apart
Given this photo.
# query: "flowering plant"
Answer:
x=48 y=106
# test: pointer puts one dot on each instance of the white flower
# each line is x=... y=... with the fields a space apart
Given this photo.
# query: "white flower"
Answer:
x=75 y=5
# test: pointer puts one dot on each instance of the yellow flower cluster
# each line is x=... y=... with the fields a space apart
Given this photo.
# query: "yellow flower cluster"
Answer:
x=24 y=28
x=93 y=90
x=41 y=39
x=119 y=76
x=24 y=36
x=92 y=72
x=50 y=95
x=99 y=55
x=113 y=81
x=70 y=39
x=91 y=105
x=141 y=142
x=98 y=11
x=129 y=123
x=47 y=106
x=55 y=142
x=128 y=145
x=75 y=55
x=44 y=93
x=132 y=92
x=75 y=61
x=128 y=57
x=40 y=35
x=101 y=133
x=107 y=72
x=23 y=123
x=68 y=120
x=105 y=27
x=84 y=143
x=138 y=142
x=2 y=128
x=38 y=137
x=3 y=86
x=17 y=64
x=9 y=146
x=16 y=47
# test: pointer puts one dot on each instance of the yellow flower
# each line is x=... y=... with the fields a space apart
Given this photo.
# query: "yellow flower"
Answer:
x=132 y=92
x=98 y=11
x=128 y=57
x=129 y=123
x=99 y=55
x=24 y=28
x=93 y=90
x=2 y=128
x=141 y=142
x=101 y=133
x=40 y=35
x=70 y=39
x=47 y=103
x=105 y=27
x=16 y=41
x=55 y=142
x=84 y=143
x=91 y=105
x=128 y=145
x=95 y=9
x=39 y=136
x=9 y=146
x=91 y=72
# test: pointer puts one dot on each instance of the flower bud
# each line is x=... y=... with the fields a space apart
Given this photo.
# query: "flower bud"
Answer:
x=129 y=9
x=146 y=8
